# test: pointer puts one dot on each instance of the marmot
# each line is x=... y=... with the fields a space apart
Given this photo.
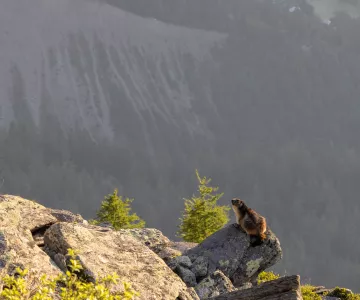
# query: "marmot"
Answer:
x=250 y=222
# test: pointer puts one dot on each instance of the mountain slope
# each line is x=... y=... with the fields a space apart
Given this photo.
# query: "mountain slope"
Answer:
x=85 y=58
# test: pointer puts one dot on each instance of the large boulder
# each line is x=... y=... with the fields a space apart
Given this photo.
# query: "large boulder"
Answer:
x=104 y=251
x=22 y=223
x=229 y=250
x=37 y=238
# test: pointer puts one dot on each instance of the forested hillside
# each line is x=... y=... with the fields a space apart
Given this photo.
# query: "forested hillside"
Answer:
x=260 y=96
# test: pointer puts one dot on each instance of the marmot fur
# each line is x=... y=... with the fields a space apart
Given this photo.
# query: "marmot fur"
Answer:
x=250 y=222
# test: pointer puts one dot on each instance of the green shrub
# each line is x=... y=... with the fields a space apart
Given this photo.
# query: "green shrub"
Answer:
x=202 y=216
x=116 y=211
x=68 y=286
x=267 y=276
x=343 y=294
x=307 y=292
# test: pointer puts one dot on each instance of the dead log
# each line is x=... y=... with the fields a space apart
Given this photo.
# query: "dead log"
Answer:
x=284 y=288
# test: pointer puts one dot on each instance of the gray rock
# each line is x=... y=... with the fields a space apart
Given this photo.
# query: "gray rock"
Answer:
x=183 y=261
x=214 y=285
x=66 y=216
x=229 y=250
x=103 y=253
x=172 y=264
x=200 y=266
x=21 y=221
x=173 y=249
x=60 y=261
x=246 y=285
x=186 y=275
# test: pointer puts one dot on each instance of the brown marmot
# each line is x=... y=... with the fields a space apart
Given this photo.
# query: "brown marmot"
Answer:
x=250 y=222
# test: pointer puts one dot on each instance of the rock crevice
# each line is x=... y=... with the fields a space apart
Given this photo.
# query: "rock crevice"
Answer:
x=38 y=234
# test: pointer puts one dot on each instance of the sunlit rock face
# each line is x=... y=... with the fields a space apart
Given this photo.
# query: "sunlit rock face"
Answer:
x=96 y=67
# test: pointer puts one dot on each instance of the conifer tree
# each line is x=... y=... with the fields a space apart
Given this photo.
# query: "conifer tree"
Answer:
x=116 y=211
x=202 y=216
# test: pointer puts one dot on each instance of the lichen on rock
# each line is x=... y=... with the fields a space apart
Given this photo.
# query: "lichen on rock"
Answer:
x=103 y=253
x=214 y=285
x=200 y=266
x=186 y=275
x=253 y=266
x=229 y=250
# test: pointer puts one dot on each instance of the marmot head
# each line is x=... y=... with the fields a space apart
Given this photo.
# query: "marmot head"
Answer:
x=237 y=202
x=238 y=206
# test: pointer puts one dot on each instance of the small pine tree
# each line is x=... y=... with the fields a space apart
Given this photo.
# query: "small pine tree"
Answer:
x=116 y=211
x=202 y=216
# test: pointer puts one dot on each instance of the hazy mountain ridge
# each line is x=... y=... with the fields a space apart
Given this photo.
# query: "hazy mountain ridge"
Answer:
x=82 y=66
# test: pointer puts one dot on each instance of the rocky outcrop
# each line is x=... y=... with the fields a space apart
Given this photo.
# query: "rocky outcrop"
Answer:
x=106 y=251
x=22 y=223
x=284 y=288
x=208 y=266
x=223 y=266
x=37 y=238
x=229 y=250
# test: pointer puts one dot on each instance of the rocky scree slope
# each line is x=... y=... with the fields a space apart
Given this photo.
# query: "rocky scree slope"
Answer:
x=37 y=238
x=223 y=266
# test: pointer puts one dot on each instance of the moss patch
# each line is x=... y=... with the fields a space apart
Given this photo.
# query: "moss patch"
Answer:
x=267 y=276
x=307 y=292
x=343 y=294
